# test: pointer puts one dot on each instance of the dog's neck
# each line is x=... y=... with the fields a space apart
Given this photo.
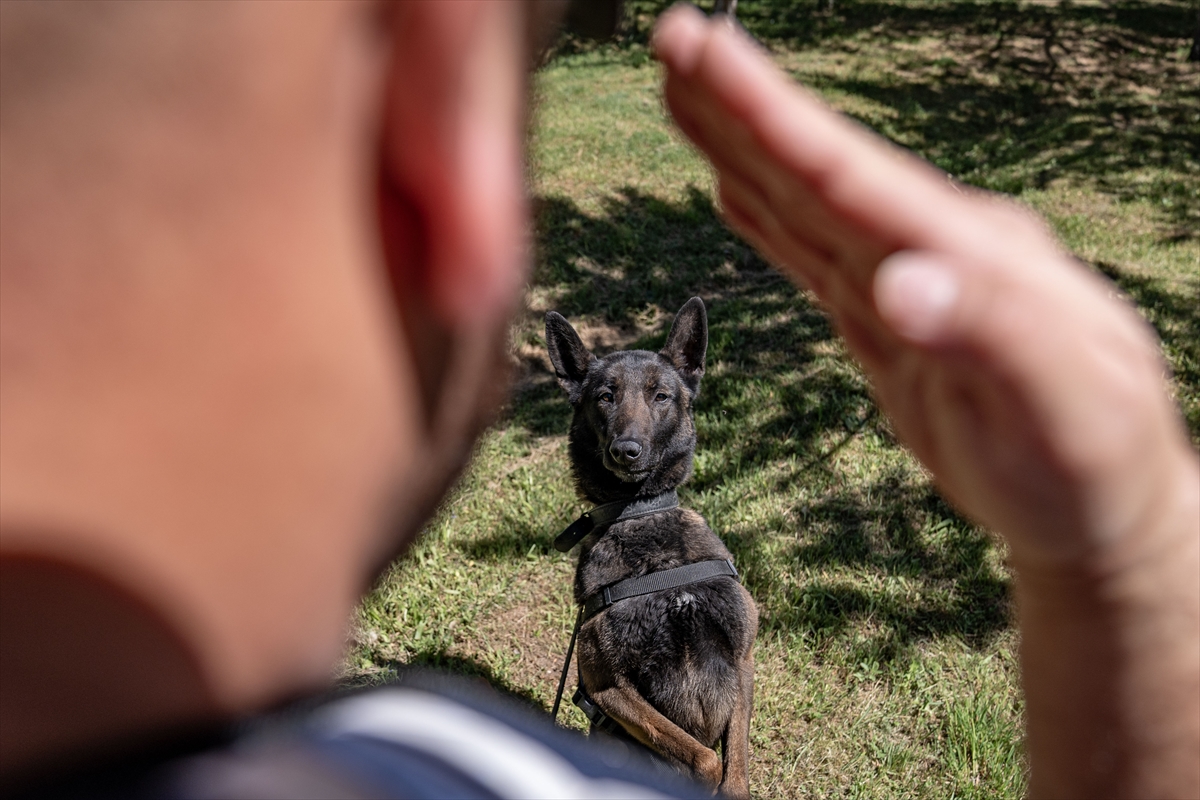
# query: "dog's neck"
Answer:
x=598 y=485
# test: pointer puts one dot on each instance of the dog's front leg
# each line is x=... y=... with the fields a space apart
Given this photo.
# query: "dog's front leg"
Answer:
x=626 y=705
x=735 y=743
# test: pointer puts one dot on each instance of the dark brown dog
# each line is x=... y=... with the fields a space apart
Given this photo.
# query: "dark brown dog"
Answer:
x=674 y=667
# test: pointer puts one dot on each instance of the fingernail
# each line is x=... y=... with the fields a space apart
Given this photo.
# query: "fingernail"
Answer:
x=915 y=295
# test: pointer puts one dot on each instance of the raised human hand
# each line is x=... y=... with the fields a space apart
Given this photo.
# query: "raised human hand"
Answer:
x=1030 y=389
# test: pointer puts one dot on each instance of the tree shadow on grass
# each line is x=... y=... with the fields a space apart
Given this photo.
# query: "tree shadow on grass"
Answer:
x=1012 y=99
x=799 y=24
x=949 y=587
x=1175 y=314
x=889 y=562
x=517 y=536
x=1012 y=96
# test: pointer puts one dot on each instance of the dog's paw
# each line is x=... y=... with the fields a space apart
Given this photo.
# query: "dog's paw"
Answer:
x=708 y=767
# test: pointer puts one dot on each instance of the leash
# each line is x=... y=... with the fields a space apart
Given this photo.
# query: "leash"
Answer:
x=562 y=679
x=601 y=517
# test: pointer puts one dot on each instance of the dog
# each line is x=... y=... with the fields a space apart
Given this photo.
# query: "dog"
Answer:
x=673 y=668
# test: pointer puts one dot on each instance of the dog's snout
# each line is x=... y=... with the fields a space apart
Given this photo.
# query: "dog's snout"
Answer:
x=625 y=451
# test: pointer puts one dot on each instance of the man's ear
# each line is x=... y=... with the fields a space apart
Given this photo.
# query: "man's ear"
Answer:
x=687 y=343
x=568 y=355
x=452 y=160
x=450 y=189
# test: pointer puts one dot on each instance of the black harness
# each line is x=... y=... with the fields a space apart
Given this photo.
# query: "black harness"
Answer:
x=659 y=581
x=602 y=517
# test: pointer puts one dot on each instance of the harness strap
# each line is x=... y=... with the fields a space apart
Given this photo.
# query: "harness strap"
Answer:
x=594 y=603
x=617 y=511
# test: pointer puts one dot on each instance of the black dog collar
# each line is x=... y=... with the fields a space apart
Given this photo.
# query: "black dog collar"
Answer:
x=617 y=511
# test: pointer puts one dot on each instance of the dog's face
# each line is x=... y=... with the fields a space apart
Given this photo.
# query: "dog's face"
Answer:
x=632 y=432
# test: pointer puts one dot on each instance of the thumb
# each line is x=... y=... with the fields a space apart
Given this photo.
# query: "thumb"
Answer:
x=918 y=295
x=1044 y=322
x=1082 y=367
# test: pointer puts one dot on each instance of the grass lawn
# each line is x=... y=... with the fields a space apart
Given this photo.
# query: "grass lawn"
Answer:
x=886 y=659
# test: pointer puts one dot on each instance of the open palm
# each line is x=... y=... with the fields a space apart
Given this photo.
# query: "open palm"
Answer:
x=1016 y=375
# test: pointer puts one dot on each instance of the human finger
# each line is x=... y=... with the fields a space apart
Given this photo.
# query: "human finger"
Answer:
x=882 y=191
x=852 y=308
x=459 y=161
x=732 y=149
x=755 y=213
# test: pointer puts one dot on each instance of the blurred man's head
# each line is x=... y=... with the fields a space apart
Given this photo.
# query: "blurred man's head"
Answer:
x=255 y=266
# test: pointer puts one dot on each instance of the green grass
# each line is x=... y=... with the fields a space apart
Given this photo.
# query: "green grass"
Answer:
x=886 y=657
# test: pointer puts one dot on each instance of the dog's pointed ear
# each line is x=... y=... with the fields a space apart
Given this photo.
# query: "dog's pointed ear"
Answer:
x=568 y=355
x=688 y=342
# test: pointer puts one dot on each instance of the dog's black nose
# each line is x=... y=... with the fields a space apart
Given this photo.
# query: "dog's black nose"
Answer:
x=625 y=450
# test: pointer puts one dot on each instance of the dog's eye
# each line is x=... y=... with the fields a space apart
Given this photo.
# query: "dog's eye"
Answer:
x=606 y=397
x=661 y=397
